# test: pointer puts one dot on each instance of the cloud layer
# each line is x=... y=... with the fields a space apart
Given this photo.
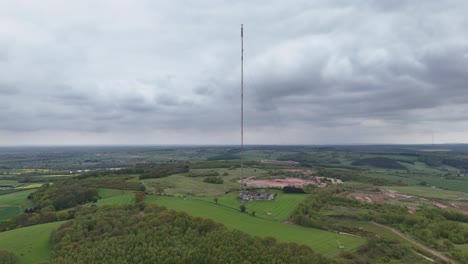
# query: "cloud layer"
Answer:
x=316 y=72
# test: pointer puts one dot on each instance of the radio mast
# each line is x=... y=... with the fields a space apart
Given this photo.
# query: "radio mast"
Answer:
x=242 y=110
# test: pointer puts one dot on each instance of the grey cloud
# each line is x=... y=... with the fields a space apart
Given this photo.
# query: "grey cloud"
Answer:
x=8 y=89
x=203 y=90
x=310 y=67
x=167 y=100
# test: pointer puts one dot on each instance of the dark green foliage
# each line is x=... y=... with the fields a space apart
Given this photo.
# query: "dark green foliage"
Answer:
x=231 y=154
x=159 y=170
x=242 y=208
x=457 y=163
x=7 y=257
x=227 y=156
x=292 y=189
x=379 y=162
x=220 y=164
x=435 y=160
x=64 y=194
x=214 y=180
x=120 y=183
x=379 y=251
x=128 y=235
x=432 y=160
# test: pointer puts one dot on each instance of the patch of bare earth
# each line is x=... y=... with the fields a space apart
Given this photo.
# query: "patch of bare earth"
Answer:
x=462 y=207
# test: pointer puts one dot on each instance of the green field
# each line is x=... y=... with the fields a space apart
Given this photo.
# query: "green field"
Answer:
x=14 y=203
x=19 y=199
x=430 y=192
x=117 y=200
x=279 y=210
x=107 y=193
x=321 y=241
x=460 y=185
x=8 y=212
x=180 y=185
x=8 y=181
x=31 y=244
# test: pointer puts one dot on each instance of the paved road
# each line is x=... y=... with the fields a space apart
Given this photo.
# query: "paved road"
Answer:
x=425 y=248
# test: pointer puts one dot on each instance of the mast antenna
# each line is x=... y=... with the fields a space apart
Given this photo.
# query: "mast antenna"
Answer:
x=242 y=110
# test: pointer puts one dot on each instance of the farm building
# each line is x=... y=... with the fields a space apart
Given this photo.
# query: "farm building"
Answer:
x=248 y=196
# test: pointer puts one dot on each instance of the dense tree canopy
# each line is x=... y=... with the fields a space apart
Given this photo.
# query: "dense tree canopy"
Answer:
x=159 y=170
x=156 y=235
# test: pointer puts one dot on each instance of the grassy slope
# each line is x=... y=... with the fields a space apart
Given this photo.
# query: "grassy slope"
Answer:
x=13 y=203
x=8 y=212
x=118 y=200
x=279 y=210
x=30 y=244
x=16 y=199
x=8 y=181
x=107 y=193
x=321 y=241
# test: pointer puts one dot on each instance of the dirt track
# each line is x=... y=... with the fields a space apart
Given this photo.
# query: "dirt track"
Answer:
x=416 y=243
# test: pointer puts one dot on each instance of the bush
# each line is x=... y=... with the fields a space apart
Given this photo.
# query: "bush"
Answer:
x=213 y=180
x=242 y=208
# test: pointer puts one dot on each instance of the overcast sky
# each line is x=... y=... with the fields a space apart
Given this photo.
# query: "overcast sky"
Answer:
x=168 y=72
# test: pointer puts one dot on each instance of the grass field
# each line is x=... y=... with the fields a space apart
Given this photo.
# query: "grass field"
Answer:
x=429 y=192
x=180 y=185
x=460 y=185
x=8 y=212
x=321 y=241
x=117 y=200
x=12 y=204
x=8 y=181
x=279 y=210
x=31 y=244
x=18 y=199
x=107 y=193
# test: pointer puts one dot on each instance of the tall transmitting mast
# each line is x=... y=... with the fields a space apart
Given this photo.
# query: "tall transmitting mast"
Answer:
x=242 y=110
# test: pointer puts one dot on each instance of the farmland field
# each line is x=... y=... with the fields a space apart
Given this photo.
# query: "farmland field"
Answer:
x=30 y=244
x=8 y=181
x=279 y=210
x=107 y=193
x=16 y=199
x=117 y=200
x=321 y=241
x=8 y=212
x=460 y=185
